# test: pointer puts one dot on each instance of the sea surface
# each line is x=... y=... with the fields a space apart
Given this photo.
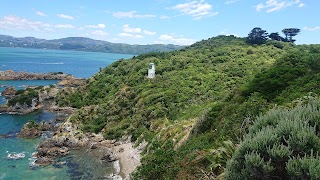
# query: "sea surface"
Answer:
x=79 y=64
x=78 y=165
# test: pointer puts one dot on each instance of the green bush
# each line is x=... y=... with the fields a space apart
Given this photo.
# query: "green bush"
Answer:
x=159 y=165
x=280 y=145
x=24 y=97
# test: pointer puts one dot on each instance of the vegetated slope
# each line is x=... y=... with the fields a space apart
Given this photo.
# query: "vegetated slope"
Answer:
x=202 y=95
x=282 y=144
x=84 y=44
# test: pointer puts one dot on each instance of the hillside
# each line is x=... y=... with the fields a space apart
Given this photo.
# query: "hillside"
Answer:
x=204 y=96
x=84 y=44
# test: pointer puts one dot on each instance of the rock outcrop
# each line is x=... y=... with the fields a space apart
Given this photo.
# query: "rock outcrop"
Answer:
x=68 y=137
x=9 y=92
x=33 y=130
x=20 y=109
x=11 y=75
x=18 y=106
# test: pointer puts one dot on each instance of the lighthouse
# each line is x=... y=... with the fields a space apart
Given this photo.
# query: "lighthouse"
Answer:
x=151 y=71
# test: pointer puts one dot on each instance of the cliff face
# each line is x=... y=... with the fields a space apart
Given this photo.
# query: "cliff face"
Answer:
x=11 y=75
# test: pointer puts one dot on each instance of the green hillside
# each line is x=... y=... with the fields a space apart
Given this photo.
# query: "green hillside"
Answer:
x=84 y=44
x=204 y=96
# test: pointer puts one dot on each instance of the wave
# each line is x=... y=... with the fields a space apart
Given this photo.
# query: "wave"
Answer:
x=15 y=156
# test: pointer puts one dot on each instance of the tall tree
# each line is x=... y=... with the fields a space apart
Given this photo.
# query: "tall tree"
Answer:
x=257 y=36
x=290 y=32
x=276 y=37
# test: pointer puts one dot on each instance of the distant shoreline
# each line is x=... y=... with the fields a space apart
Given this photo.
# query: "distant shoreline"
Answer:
x=84 y=44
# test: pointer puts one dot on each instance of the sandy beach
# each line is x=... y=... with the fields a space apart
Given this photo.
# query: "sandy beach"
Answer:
x=129 y=158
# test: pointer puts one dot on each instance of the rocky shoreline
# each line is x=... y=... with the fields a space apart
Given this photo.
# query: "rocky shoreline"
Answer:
x=36 y=95
x=11 y=75
x=67 y=136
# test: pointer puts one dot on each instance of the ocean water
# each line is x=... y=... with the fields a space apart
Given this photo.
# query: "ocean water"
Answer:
x=79 y=64
x=78 y=165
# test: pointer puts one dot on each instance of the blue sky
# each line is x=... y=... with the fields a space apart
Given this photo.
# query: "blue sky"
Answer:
x=181 y=22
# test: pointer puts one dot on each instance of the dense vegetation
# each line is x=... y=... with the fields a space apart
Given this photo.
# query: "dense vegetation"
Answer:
x=84 y=44
x=201 y=103
x=283 y=144
x=24 y=97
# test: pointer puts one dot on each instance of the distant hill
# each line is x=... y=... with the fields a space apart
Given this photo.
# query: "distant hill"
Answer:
x=84 y=44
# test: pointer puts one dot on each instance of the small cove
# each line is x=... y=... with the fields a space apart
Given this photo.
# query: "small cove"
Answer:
x=77 y=165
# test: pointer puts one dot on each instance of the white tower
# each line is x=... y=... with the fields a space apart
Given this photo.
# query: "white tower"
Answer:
x=151 y=71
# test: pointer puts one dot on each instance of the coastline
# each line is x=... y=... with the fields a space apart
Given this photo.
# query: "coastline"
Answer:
x=129 y=158
x=124 y=157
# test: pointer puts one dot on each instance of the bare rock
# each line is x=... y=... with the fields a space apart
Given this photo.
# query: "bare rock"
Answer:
x=43 y=161
x=30 y=130
x=33 y=130
x=52 y=152
x=9 y=92
x=109 y=157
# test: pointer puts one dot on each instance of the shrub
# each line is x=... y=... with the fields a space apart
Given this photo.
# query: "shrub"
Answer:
x=280 y=145
x=24 y=97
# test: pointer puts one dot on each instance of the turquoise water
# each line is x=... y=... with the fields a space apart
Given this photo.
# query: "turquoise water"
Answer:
x=78 y=165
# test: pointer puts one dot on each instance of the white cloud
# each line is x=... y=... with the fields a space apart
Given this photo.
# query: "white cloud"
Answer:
x=316 y=28
x=132 y=14
x=63 y=16
x=98 y=26
x=231 y=1
x=100 y=33
x=64 y=26
x=128 y=29
x=168 y=39
x=135 y=33
x=19 y=23
x=196 y=9
x=39 y=13
x=276 y=5
x=138 y=36
x=164 y=17
x=150 y=33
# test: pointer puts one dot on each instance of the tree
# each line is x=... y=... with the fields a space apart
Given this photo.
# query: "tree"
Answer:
x=276 y=37
x=290 y=32
x=257 y=36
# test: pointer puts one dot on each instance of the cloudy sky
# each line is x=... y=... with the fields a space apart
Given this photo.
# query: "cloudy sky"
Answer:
x=180 y=22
